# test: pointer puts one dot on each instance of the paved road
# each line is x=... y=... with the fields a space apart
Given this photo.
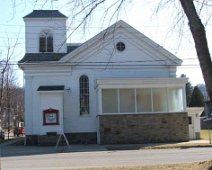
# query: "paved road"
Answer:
x=73 y=160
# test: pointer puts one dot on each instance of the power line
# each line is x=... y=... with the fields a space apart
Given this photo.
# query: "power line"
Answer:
x=118 y=65
x=74 y=27
x=66 y=33
x=121 y=61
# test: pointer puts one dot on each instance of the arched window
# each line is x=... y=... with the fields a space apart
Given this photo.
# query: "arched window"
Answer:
x=46 y=41
x=84 y=95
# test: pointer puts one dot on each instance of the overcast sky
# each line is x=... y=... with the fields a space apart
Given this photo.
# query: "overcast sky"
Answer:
x=140 y=15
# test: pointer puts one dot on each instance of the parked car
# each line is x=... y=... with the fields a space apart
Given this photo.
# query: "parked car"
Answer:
x=18 y=131
x=2 y=135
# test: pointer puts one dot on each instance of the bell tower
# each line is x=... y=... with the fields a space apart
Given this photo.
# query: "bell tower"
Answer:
x=45 y=32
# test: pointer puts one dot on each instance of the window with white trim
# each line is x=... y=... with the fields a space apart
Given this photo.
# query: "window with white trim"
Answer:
x=120 y=46
x=127 y=100
x=84 y=95
x=46 y=41
x=160 y=100
x=142 y=100
x=175 y=99
x=110 y=100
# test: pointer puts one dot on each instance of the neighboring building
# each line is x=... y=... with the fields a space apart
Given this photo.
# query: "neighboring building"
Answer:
x=118 y=87
x=194 y=121
x=206 y=121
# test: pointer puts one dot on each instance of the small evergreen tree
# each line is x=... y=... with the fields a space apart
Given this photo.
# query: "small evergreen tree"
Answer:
x=197 y=99
x=189 y=90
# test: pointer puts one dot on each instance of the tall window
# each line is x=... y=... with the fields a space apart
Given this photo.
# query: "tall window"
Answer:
x=160 y=99
x=144 y=101
x=127 y=100
x=175 y=99
x=84 y=95
x=110 y=100
x=46 y=41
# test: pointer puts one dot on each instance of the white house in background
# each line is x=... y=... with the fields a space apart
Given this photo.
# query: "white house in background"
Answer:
x=117 y=87
x=194 y=121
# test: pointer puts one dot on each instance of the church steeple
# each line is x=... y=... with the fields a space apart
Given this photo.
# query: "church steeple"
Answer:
x=45 y=32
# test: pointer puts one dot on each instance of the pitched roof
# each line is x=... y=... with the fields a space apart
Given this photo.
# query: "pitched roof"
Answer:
x=72 y=46
x=42 y=57
x=150 y=44
x=45 y=14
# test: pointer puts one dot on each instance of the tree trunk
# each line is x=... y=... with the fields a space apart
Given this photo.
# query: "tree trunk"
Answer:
x=200 y=40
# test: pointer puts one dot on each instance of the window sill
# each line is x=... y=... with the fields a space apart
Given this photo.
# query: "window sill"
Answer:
x=85 y=115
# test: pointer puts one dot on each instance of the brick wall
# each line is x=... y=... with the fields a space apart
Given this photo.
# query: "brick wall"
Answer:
x=143 y=128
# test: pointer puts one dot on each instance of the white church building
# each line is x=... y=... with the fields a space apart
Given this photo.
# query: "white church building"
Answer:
x=119 y=87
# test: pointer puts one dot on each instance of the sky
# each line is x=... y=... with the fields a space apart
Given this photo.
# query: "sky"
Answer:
x=142 y=15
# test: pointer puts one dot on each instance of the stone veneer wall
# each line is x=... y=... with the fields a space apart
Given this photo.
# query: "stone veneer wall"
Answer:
x=51 y=140
x=143 y=128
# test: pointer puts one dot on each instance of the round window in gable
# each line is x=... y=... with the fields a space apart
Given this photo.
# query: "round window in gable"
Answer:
x=120 y=46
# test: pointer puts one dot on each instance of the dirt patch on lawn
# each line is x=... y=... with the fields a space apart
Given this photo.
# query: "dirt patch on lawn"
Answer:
x=205 y=165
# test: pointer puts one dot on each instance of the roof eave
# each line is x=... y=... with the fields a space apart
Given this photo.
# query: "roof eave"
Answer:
x=42 y=13
x=46 y=64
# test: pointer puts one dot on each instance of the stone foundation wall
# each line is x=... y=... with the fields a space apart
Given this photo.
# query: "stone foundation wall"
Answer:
x=143 y=128
x=51 y=140
x=31 y=139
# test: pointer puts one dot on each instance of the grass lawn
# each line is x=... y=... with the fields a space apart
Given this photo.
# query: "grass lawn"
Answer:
x=204 y=134
x=205 y=165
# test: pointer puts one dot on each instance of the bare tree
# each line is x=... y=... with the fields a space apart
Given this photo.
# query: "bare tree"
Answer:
x=198 y=32
x=8 y=83
x=5 y=65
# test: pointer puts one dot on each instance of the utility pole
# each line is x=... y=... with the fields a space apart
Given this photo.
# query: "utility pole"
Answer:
x=1 y=94
x=8 y=105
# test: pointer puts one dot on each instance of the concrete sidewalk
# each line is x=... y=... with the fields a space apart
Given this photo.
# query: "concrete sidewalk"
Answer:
x=196 y=141
x=11 y=148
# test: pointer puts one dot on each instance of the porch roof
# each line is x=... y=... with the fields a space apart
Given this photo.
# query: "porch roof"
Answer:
x=51 y=88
